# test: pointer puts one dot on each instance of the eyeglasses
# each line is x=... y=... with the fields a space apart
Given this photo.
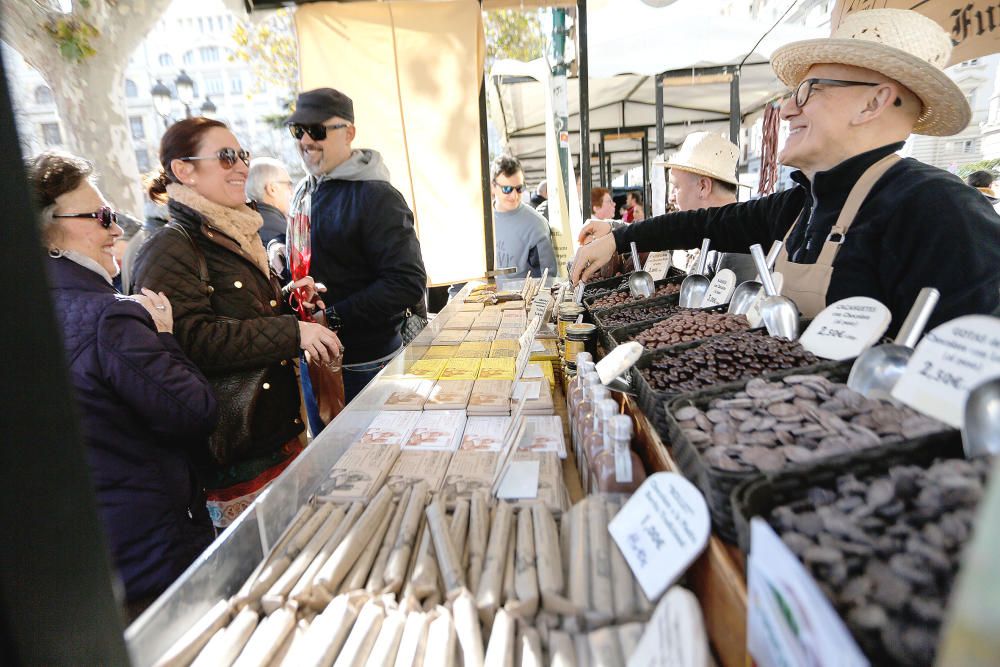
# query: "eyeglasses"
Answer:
x=227 y=157
x=316 y=132
x=804 y=89
x=105 y=215
x=507 y=189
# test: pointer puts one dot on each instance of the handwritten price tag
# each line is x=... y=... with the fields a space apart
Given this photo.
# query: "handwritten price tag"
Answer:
x=720 y=290
x=661 y=530
x=675 y=635
x=846 y=328
x=657 y=264
x=948 y=363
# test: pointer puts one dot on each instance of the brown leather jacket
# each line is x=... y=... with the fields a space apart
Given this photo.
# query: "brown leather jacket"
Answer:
x=231 y=328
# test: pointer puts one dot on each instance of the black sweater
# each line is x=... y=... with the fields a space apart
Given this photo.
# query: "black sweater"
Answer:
x=919 y=227
x=365 y=250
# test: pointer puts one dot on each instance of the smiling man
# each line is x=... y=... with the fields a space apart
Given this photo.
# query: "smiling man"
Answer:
x=861 y=221
x=364 y=246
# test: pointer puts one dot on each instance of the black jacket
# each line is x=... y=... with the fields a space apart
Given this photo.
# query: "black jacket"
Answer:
x=144 y=408
x=365 y=250
x=919 y=227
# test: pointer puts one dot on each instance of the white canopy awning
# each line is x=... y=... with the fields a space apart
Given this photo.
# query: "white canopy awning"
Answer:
x=629 y=43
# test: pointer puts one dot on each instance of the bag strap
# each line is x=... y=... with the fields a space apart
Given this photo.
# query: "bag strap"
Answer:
x=198 y=254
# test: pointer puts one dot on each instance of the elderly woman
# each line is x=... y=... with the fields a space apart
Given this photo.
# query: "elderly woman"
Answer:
x=143 y=404
x=232 y=317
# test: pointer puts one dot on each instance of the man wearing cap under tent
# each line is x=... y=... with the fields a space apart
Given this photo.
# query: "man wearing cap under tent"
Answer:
x=861 y=221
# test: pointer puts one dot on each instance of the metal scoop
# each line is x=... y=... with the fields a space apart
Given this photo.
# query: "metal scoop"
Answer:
x=878 y=369
x=695 y=286
x=747 y=291
x=981 y=433
x=640 y=283
x=780 y=315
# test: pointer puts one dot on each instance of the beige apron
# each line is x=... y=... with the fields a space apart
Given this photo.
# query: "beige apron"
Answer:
x=807 y=284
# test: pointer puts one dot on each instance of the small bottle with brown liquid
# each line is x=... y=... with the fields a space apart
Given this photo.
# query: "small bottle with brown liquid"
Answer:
x=617 y=469
x=585 y=409
x=593 y=439
x=574 y=392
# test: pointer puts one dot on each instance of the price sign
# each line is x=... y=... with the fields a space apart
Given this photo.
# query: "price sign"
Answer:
x=661 y=530
x=753 y=314
x=789 y=620
x=675 y=635
x=540 y=305
x=721 y=289
x=658 y=264
x=948 y=363
x=846 y=328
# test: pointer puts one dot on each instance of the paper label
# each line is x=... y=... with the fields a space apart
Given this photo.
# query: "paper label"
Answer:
x=846 y=328
x=789 y=620
x=618 y=361
x=526 y=391
x=658 y=264
x=485 y=434
x=437 y=431
x=753 y=314
x=520 y=481
x=947 y=364
x=543 y=434
x=623 y=465
x=721 y=289
x=389 y=428
x=675 y=636
x=661 y=530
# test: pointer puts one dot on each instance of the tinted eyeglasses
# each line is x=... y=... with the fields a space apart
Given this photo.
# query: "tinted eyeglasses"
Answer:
x=804 y=90
x=227 y=157
x=507 y=189
x=317 y=132
x=104 y=215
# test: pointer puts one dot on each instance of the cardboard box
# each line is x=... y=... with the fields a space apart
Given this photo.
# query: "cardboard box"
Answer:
x=408 y=394
x=497 y=369
x=468 y=472
x=359 y=473
x=440 y=352
x=473 y=351
x=461 y=368
x=484 y=433
x=389 y=429
x=480 y=336
x=413 y=466
x=543 y=434
x=537 y=396
x=449 y=337
x=449 y=395
x=490 y=397
x=427 y=369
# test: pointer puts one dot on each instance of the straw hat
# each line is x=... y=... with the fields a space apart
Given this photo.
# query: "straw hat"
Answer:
x=898 y=43
x=706 y=154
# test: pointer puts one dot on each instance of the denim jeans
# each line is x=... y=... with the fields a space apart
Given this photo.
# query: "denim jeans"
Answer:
x=312 y=409
x=358 y=376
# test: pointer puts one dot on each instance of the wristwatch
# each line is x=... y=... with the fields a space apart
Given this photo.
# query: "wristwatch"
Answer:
x=333 y=320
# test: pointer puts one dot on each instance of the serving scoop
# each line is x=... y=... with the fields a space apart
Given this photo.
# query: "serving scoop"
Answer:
x=779 y=313
x=695 y=286
x=747 y=291
x=640 y=283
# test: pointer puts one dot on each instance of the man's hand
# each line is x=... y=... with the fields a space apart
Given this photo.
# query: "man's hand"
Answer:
x=591 y=257
x=594 y=229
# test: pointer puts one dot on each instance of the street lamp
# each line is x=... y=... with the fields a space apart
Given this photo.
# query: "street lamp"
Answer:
x=208 y=109
x=161 y=100
x=185 y=91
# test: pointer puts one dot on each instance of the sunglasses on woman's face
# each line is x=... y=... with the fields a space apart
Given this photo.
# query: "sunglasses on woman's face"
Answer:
x=507 y=189
x=317 y=132
x=104 y=215
x=227 y=157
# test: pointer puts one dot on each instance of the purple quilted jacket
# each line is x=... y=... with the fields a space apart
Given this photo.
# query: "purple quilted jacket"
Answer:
x=143 y=406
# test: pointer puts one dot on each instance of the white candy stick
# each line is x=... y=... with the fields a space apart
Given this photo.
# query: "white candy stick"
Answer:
x=186 y=649
x=363 y=635
x=268 y=638
x=227 y=644
x=500 y=651
x=387 y=643
x=470 y=638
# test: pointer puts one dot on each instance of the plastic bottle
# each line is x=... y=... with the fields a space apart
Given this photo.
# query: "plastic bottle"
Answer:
x=598 y=394
x=593 y=438
x=617 y=469
x=582 y=368
x=584 y=377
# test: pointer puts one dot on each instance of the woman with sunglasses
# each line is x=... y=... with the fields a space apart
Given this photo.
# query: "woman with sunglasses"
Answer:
x=232 y=316
x=143 y=405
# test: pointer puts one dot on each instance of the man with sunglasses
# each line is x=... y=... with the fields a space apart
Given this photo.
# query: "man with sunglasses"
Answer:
x=860 y=221
x=521 y=234
x=364 y=246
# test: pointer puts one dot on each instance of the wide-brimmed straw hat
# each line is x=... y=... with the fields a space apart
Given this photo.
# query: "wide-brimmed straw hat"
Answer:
x=898 y=43
x=706 y=154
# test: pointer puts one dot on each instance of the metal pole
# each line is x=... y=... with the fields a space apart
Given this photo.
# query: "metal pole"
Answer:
x=645 y=168
x=583 y=59
x=484 y=165
x=734 y=108
x=560 y=90
x=658 y=86
x=600 y=157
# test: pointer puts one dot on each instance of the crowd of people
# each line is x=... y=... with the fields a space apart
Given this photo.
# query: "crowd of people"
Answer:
x=188 y=373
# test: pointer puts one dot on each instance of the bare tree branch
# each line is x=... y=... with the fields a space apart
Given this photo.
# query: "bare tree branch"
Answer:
x=24 y=29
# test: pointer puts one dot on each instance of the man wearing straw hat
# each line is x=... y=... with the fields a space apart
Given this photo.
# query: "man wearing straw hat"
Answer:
x=862 y=221
x=702 y=175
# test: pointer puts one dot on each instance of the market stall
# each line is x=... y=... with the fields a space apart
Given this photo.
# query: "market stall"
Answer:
x=465 y=504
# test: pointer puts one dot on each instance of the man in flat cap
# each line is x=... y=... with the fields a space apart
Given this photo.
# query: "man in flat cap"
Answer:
x=861 y=221
x=364 y=246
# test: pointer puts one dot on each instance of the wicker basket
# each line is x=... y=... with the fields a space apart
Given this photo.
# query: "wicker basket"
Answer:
x=718 y=485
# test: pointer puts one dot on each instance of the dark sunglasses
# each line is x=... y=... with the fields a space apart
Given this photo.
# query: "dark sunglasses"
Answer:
x=227 y=157
x=507 y=189
x=317 y=132
x=105 y=215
